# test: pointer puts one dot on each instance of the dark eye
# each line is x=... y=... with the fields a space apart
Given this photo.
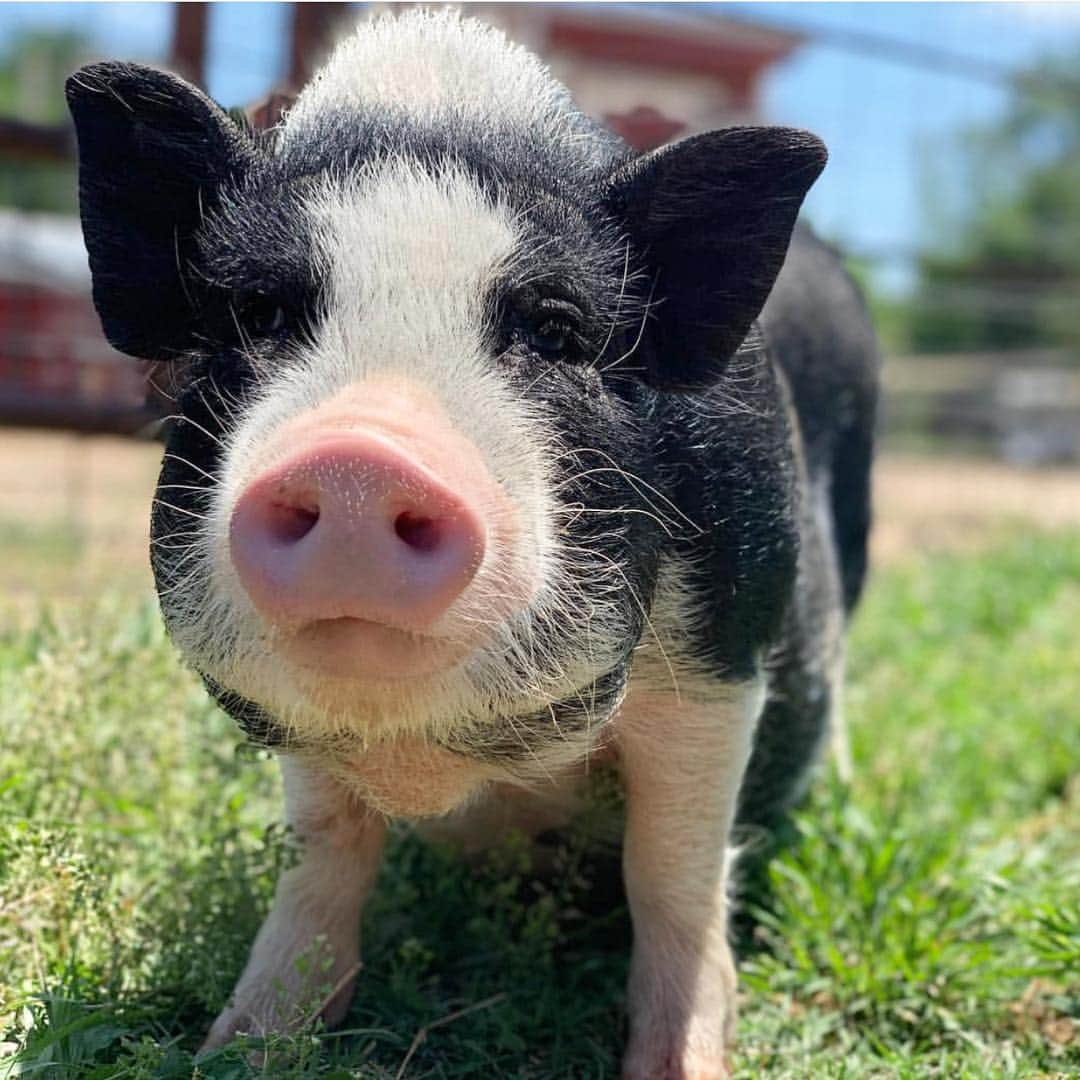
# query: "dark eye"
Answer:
x=274 y=321
x=263 y=315
x=551 y=338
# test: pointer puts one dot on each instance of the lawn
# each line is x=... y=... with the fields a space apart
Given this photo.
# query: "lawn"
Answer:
x=924 y=922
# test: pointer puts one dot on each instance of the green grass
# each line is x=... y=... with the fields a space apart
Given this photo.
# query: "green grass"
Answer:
x=925 y=922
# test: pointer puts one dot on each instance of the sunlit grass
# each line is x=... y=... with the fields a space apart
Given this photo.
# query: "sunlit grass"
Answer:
x=926 y=922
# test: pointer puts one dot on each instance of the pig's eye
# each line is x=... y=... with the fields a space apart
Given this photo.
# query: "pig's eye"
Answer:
x=264 y=316
x=552 y=338
x=553 y=330
x=260 y=315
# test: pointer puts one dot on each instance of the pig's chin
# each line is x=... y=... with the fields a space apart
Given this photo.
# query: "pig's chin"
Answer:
x=351 y=649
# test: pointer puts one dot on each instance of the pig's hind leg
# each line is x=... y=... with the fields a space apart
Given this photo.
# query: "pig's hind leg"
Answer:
x=683 y=760
x=306 y=954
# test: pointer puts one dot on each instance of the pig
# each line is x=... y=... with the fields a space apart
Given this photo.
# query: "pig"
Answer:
x=487 y=468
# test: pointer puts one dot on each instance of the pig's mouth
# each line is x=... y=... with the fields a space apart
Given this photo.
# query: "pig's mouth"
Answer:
x=350 y=648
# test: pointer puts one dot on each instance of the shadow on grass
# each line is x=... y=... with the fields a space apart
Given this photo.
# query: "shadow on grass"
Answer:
x=439 y=937
x=544 y=956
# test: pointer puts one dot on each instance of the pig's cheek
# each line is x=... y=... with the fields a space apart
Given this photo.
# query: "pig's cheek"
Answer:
x=512 y=573
x=411 y=778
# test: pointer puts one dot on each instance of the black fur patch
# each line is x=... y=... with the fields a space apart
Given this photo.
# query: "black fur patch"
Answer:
x=713 y=214
x=515 y=741
x=259 y=726
x=154 y=154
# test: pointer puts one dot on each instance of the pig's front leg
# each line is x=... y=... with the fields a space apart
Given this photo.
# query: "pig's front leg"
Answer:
x=682 y=762
x=310 y=940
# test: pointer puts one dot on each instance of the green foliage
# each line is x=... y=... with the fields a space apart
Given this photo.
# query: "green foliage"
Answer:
x=924 y=923
x=891 y=316
x=1003 y=270
x=33 y=67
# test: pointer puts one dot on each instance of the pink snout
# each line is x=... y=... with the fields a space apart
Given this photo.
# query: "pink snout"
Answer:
x=351 y=526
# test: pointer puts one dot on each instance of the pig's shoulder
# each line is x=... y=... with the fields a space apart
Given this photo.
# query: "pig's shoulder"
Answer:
x=728 y=459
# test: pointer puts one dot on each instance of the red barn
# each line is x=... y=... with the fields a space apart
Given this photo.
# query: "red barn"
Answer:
x=56 y=368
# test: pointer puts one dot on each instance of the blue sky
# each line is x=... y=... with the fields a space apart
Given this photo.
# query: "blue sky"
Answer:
x=886 y=123
x=883 y=121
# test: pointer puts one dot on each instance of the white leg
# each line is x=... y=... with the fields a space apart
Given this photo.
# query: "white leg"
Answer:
x=839 y=741
x=310 y=941
x=683 y=760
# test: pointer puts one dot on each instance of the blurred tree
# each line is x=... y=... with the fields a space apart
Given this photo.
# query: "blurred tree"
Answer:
x=33 y=67
x=891 y=315
x=1005 y=271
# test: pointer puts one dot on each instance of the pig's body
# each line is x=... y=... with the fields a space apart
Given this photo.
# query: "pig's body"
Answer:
x=481 y=474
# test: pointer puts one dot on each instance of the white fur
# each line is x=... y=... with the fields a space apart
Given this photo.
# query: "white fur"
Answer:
x=438 y=67
x=832 y=641
x=306 y=954
x=663 y=659
x=683 y=763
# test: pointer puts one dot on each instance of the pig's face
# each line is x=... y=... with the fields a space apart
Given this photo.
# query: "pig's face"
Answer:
x=410 y=488
x=424 y=514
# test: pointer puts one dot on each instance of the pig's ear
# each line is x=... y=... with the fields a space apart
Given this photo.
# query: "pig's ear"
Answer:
x=153 y=152
x=713 y=215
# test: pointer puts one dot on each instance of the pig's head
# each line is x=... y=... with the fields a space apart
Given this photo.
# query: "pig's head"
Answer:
x=418 y=332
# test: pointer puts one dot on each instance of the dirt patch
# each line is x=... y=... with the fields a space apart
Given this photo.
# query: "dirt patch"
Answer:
x=924 y=504
x=74 y=512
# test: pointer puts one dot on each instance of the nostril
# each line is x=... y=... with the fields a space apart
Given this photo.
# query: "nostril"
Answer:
x=419 y=532
x=288 y=523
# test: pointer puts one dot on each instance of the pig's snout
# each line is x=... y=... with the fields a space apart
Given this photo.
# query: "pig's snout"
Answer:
x=353 y=527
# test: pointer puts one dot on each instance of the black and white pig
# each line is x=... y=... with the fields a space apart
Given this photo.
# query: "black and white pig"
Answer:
x=482 y=472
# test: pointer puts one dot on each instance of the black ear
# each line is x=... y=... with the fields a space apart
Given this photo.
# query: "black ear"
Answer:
x=153 y=152
x=713 y=215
